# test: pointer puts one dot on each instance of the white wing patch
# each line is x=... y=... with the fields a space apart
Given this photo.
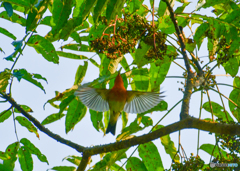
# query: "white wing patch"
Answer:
x=92 y=99
x=142 y=102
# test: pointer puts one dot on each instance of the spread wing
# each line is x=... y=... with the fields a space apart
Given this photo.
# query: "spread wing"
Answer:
x=139 y=102
x=94 y=99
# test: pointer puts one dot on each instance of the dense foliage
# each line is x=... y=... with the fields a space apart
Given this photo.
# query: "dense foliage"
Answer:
x=116 y=30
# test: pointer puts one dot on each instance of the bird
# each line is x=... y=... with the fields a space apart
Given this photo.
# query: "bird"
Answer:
x=116 y=100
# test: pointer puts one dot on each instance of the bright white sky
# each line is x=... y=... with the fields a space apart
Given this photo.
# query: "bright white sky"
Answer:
x=61 y=77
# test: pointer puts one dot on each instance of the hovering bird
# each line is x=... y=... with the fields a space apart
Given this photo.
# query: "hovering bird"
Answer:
x=117 y=99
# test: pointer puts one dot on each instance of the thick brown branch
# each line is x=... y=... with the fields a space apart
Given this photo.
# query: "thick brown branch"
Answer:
x=40 y=127
x=228 y=129
x=84 y=162
x=189 y=85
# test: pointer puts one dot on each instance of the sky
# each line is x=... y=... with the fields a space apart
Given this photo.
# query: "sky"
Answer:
x=61 y=77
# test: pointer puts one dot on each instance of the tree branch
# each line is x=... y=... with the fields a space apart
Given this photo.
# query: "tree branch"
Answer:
x=39 y=125
x=190 y=122
x=189 y=85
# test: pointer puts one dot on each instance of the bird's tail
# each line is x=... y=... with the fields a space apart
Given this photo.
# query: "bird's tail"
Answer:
x=111 y=128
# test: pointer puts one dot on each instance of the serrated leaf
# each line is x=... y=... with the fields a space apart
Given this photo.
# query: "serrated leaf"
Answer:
x=81 y=72
x=22 y=73
x=52 y=118
x=27 y=124
x=33 y=150
x=218 y=111
x=150 y=156
x=7 y=33
x=135 y=164
x=44 y=47
x=11 y=151
x=75 y=113
x=25 y=159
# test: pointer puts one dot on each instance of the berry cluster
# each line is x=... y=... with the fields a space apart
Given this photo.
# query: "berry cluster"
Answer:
x=122 y=35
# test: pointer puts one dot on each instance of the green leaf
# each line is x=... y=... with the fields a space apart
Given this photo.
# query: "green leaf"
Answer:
x=52 y=118
x=25 y=107
x=5 y=115
x=135 y=164
x=235 y=97
x=236 y=82
x=124 y=64
x=64 y=168
x=135 y=5
x=146 y=121
x=73 y=159
x=234 y=45
x=44 y=47
x=4 y=77
x=214 y=150
x=35 y=14
x=8 y=8
x=11 y=153
x=96 y=118
x=17 y=45
x=165 y=24
x=81 y=72
x=85 y=9
x=158 y=74
x=75 y=113
x=25 y=159
x=71 y=55
x=3 y=156
x=218 y=111
x=98 y=9
x=7 y=33
x=65 y=102
x=200 y=34
x=61 y=10
x=15 y=18
x=33 y=150
x=162 y=8
x=114 y=8
x=141 y=51
x=22 y=73
x=181 y=8
x=231 y=66
x=168 y=145
x=150 y=156
x=23 y=3
x=27 y=124
x=76 y=47
x=124 y=119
